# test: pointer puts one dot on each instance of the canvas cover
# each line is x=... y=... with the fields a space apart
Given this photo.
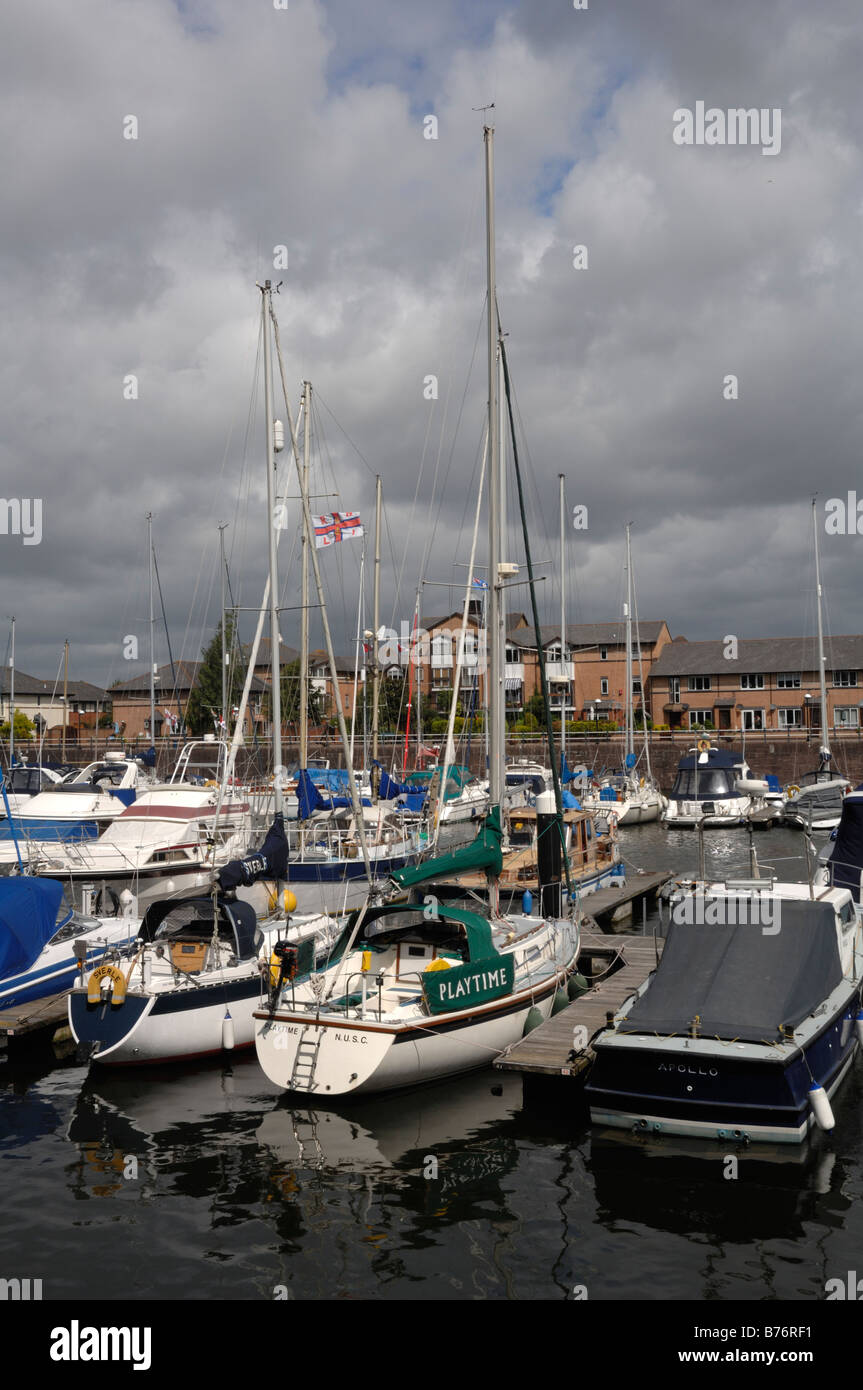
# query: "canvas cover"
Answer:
x=846 y=860
x=482 y=853
x=271 y=861
x=28 y=920
x=743 y=981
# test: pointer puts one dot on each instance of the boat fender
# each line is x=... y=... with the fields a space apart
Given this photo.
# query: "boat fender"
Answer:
x=792 y=790
x=533 y=1020
x=561 y=1001
x=641 y=781
x=228 y=1032
x=859 y=1027
x=527 y=902
x=821 y=1107
x=577 y=985
x=107 y=984
x=438 y=964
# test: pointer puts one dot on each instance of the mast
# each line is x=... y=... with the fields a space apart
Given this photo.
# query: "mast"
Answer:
x=496 y=753
x=304 y=600
x=222 y=625
x=65 y=696
x=825 y=736
x=152 y=633
x=563 y=658
x=275 y=645
x=629 y=748
x=12 y=700
x=376 y=621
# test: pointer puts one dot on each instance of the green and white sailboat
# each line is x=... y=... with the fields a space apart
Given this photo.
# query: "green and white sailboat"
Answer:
x=419 y=990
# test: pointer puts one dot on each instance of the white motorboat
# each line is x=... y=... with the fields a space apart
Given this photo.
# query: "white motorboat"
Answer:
x=713 y=787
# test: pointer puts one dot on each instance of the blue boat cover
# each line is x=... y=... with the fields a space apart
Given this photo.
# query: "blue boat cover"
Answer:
x=28 y=920
x=846 y=858
x=309 y=798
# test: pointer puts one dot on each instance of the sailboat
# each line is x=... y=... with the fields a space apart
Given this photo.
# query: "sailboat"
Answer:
x=629 y=797
x=815 y=802
x=195 y=975
x=426 y=989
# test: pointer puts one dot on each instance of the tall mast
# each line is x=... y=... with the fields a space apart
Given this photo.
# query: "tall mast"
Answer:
x=629 y=746
x=12 y=700
x=825 y=736
x=304 y=600
x=563 y=658
x=275 y=645
x=65 y=697
x=493 y=676
x=376 y=621
x=222 y=625
x=152 y=634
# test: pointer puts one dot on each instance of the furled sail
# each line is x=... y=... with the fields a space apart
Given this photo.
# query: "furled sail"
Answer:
x=271 y=861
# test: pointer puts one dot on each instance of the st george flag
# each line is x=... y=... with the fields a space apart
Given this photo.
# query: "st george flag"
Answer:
x=335 y=527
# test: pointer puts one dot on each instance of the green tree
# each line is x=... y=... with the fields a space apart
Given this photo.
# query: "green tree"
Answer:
x=24 y=727
x=205 y=700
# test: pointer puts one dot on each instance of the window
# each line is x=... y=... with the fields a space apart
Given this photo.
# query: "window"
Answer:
x=846 y=717
x=751 y=682
x=514 y=655
x=699 y=683
x=844 y=677
x=603 y=686
x=791 y=718
x=752 y=719
x=636 y=686
x=441 y=654
x=697 y=717
x=674 y=689
x=788 y=680
x=552 y=653
x=603 y=656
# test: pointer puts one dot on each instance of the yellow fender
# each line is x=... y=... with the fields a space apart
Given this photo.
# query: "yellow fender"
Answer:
x=438 y=964
x=793 y=790
x=94 y=984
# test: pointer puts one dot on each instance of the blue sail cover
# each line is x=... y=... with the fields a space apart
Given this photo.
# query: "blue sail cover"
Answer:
x=28 y=920
x=309 y=798
x=271 y=861
x=846 y=859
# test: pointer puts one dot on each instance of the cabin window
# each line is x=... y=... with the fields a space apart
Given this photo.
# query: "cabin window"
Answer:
x=751 y=682
x=844 y=677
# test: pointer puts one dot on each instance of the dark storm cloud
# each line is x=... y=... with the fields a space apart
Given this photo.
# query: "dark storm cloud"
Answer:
x=260 y=127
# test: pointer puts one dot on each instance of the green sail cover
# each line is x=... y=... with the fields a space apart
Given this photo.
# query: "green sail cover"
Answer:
x=484 y=853
x=464 y=986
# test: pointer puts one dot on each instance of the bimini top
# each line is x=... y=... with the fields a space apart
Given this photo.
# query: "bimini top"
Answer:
x=395 y=918
x=716 y=757
x=740 y=981
x=192 y=918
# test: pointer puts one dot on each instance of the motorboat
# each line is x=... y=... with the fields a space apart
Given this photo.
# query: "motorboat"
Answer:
x=713 y=787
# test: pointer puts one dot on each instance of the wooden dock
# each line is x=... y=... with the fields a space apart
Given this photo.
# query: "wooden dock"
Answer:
x=616 y=904
x=33 y=1023
x=618 y=964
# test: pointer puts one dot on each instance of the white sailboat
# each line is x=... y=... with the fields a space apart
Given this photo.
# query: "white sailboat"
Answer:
x=815 y=802
x=420 y=990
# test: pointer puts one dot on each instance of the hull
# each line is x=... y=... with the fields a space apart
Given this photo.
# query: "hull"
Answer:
x=57 y=970
x=686 y=815
x=167 y=1027
x=355 y=1061
x=708 y=1091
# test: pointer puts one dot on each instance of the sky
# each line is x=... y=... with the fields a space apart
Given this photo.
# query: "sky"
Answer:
x=698 y=377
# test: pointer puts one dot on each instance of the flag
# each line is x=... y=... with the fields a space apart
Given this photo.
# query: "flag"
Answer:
x=335 y=527
x=480 y=584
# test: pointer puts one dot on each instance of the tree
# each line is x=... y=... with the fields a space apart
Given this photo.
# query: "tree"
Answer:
x=25 y=729
x=205 y=700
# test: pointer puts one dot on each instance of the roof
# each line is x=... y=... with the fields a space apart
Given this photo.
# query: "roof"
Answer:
x=590 y=634
x=286 y=654
x=757 y=655
x=186 y=673
x=32 y=685
x=514 y=621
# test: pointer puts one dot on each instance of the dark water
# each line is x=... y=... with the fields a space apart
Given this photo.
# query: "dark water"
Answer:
x=203 y=1183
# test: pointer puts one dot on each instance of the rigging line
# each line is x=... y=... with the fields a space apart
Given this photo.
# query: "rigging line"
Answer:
x=168 y=640
x=339 y=426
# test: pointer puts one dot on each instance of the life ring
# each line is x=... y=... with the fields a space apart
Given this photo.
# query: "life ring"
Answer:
x=99 y=902
x=117 y=991
x=703 y=745
x=792 y=790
